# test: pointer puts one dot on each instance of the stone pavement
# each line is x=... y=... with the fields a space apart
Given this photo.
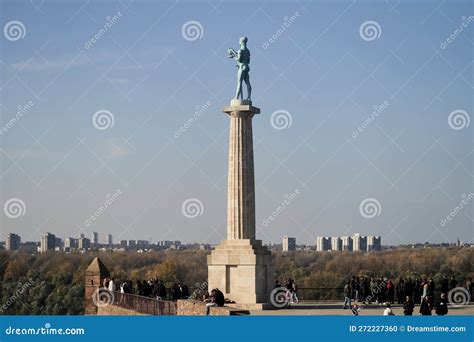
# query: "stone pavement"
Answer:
x=334 y=309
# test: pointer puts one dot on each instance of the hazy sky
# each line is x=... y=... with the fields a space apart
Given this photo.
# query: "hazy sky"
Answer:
x=325 y=152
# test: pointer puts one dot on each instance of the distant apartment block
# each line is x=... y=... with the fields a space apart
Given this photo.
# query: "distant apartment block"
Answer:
x=336 y=243
x=289 y=244
x=374 y=243
x=359 y=243
x=70 y=243
x=84 y=243
x=110 y=240
x=323 y=243
x=355 y=243
x=48 y=242
x=95 y=238
x=346 y=243
x=12 y=242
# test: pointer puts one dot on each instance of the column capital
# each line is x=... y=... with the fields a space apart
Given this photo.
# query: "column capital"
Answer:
x=239 y=107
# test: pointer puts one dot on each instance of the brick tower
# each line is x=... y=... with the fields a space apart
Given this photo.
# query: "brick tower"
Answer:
x=94 y=278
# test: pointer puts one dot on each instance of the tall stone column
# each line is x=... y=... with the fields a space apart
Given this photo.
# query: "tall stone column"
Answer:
x=241 y=179
x=240 y=266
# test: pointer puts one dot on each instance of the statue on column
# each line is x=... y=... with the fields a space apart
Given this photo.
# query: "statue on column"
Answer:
x=243 y=60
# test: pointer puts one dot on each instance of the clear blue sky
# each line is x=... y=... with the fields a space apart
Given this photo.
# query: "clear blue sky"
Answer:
x=319 y=69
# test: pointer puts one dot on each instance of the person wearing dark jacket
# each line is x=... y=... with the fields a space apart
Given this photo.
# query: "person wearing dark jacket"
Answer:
x=408 y=306
x=425 y=306
x=216 y=298
x=442 y=306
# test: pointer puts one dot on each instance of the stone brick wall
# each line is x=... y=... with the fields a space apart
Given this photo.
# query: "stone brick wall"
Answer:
x=112 y=310
x=198 y=308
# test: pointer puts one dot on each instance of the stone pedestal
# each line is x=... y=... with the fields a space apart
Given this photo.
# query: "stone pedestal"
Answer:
x=240 y=266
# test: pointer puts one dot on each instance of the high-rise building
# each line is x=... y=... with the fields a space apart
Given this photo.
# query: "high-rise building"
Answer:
x=374 y=243
x=359 y=243
x=323 y=243
x=58 y=244
x=123 y=243
x=48 y=242
x=84 y=243
x=336 y=243
x=346 y=243
x=289 y=244
x=95 y=238
x=110 y=241
x=70 y=243
x=12 y=242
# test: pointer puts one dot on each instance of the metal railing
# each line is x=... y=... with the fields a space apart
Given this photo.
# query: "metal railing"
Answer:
x=144 y=305
x=320 y=293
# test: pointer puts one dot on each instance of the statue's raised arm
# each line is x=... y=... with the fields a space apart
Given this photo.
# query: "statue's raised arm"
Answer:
x=243 y=60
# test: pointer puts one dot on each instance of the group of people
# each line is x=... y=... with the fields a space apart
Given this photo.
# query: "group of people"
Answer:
x=408 y=292
x=153 y=288
x=213 y=299
x=291 y=294
x=382 y=290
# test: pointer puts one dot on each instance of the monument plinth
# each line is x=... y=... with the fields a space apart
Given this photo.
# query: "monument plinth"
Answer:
x=240 y=266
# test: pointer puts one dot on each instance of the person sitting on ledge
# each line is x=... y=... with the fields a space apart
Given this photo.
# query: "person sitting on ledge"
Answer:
x=216 y=298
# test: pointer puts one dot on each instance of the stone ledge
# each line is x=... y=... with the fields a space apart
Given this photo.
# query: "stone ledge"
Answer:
x=188 y=307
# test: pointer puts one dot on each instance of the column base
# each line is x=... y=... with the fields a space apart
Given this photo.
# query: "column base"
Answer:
x=243 y=270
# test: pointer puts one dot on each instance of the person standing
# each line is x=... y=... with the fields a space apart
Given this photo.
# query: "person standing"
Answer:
x=408 y=306
x=112 y=286
x=468 y=287
x=400 y=290
x=426 y=306
x=442 y=306
x=295 y=293
x=390 y=291
x=388 y=310
x=347 y=295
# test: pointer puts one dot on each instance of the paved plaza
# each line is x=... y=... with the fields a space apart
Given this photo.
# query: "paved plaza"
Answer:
x=334 y=309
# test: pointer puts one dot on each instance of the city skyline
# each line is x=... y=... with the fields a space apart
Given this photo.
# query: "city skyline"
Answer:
x=347 y=119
